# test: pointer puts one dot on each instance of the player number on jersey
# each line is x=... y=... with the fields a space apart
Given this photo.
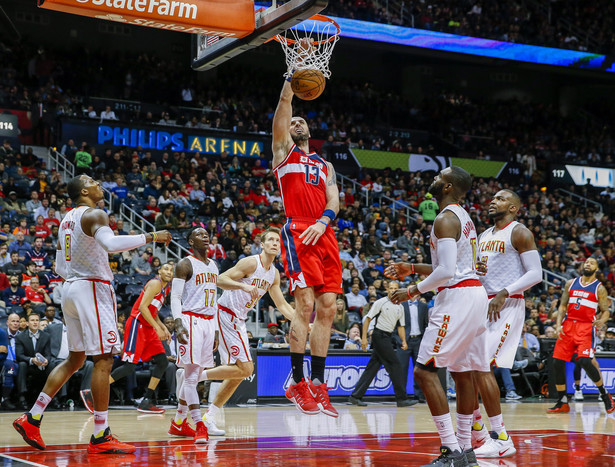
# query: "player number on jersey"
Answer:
x=210 y=297
x=475 y=262
x=312 y=174
x=67 y=247
x=251 y=303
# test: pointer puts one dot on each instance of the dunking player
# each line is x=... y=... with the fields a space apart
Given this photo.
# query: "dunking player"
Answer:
x=310 y=254
x=581 y=299
x=243 y=285
x=144 y=335
x=194 y=306
x=454 y=337
x=88 y=302
x=513 y=266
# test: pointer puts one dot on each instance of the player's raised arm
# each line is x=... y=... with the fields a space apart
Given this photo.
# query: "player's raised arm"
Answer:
x=95 y=223
x=278 y=298
x=282 y=140
x=183 y=272
x=229 y=280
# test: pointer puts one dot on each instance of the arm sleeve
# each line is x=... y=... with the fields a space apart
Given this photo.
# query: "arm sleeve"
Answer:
x=447 y=262
x=532 y=276
x=177 y=291
x=61 y=268
x=116 y=243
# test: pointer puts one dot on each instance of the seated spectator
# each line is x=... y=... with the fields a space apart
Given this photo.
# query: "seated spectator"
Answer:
x=37 y=295
x=166 y=220
x=43 y=324
x=37 y=255
x=32 y=372
x=353 y=341
x=10 y=365
x=5 y=257
x=274 y=335
x=29 y=274
x=340 y=319
x=509 y=385
x=356 y=302
x=19 y=245
x=108 y=114
x=14 y=295
x=140 y=263
x=51 y=314
x=216 y=251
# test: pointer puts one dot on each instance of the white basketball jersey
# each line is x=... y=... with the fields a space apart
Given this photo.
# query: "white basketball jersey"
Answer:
x=239 y=301
x=85 y=257
x=200 y=291
x=466 y=247
x=503 y=262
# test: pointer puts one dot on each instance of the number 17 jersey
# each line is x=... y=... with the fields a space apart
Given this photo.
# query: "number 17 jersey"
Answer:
x=302 y=179
x=199 y=295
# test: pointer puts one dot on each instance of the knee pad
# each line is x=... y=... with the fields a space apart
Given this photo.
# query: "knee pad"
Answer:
x=590 y=369
x=160 y=365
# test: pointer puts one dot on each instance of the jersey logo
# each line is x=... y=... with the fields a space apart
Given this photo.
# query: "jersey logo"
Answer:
x=182 y=350
x=111 y=337
x=234 y=350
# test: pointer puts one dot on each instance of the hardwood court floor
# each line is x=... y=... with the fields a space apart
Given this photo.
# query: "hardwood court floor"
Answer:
x=380 y=434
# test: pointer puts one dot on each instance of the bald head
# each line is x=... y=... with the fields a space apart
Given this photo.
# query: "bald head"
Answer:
x=514 y=198
x=461 y=180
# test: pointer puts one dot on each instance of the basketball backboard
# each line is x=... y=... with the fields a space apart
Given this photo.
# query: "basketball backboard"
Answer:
x=209 y=51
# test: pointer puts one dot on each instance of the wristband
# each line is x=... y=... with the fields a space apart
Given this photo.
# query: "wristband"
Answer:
x=329 y=213
x=323 y=222
x=154 y=237
x=408 y=292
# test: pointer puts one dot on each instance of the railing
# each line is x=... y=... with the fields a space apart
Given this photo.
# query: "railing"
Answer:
x=581 y=199
x=61 y=164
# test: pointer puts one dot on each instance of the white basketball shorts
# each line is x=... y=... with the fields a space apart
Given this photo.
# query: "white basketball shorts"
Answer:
x=234 y=343
x=503 y=335
x=455 y=335
x=200 y=347
x=90 y=314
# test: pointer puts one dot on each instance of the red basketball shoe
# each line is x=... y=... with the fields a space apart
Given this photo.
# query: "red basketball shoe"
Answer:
x=184 y=430
x=200 y=436
x=29 y=429
x=609 y=405
x=302 y=397
x=320 y=394
x=560 y=407
x=109 y=444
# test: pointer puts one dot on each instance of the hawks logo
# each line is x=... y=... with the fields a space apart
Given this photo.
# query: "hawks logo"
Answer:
x=234 y=350
x=111 y=337
x=182 y=350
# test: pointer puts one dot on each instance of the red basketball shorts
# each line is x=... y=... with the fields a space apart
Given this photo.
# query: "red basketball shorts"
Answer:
x=316 y=266
x=141 y=342
x=578 y=337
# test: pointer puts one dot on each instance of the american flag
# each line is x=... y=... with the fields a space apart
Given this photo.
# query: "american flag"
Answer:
x=211 y=40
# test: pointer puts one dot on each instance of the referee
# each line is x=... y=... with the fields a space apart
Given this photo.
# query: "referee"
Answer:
x=386 y=315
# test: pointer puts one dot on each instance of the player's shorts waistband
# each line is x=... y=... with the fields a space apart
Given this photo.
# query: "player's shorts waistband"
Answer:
x=92 y=280
x=228 y=310
x=197 y=315
x=517 y=295
x=302 y=219
x=466 y=283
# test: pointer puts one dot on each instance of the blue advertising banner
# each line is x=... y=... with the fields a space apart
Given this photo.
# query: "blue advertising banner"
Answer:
x=163 y=138
x=607 y=368
x=342 y=374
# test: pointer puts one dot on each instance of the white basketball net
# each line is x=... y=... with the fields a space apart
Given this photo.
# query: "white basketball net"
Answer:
x=323 y=32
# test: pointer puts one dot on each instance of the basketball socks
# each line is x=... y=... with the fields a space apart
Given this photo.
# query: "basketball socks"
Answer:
x=497 y=425
x=577 y=387
x=562 y=397
x=180 y=415
x=100 y=423
x=296 y=361
x=464 y=431
x=444 y=424
x=149 y=393
x=40 y=405
x=196 y=415
x=602 y=390
x=477 y=420
x=212 y=412
x=318 y=369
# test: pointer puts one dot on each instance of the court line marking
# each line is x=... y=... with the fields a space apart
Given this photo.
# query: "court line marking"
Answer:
x=17 y=459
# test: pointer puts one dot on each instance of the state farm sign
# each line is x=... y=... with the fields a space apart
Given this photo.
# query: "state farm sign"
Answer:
x=227 y=18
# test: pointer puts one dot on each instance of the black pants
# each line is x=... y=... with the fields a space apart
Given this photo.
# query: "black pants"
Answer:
x=30 y=380
x=383 y=354
x=414 y=344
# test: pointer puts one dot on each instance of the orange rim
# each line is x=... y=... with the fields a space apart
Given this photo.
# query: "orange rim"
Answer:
x=324 y=19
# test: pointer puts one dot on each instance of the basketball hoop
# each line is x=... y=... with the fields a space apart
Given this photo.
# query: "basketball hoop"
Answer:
x=322 y=32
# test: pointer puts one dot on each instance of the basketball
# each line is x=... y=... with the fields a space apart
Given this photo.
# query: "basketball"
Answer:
x=308 y=84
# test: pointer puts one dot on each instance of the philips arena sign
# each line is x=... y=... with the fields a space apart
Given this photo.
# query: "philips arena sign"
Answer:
x=209 y=17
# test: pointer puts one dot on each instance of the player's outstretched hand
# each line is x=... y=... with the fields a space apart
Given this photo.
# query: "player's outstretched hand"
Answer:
x=162 y=236
x=311 y=235
x=398 y=271
x=496 y=305
x=402 y=295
